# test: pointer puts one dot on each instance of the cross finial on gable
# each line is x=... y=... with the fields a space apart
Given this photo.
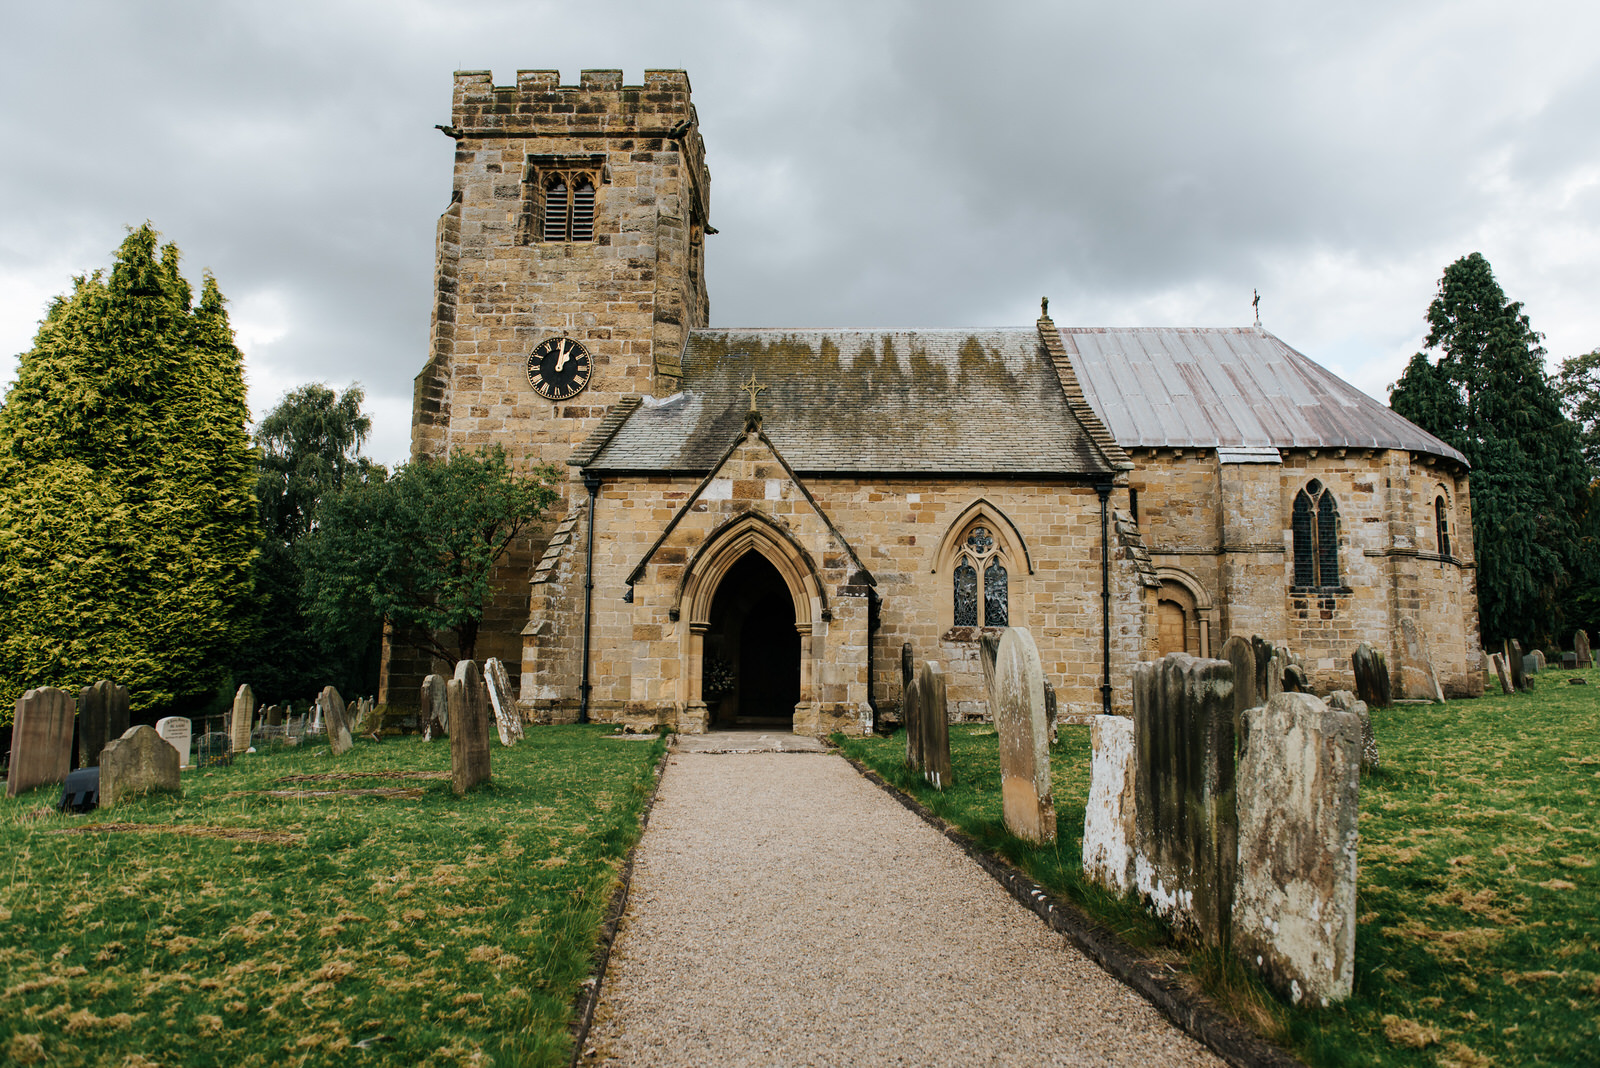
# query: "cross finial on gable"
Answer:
x=751 y=388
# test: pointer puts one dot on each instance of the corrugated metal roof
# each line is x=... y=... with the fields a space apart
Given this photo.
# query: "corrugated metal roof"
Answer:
x=881 y=401
x=1205 y=388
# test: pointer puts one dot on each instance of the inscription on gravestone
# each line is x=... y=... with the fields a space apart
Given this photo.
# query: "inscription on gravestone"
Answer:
x=178 y=733
x=1019 y=719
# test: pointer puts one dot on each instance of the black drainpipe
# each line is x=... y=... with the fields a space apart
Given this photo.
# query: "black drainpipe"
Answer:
x=1104 y=490
x=592 y=485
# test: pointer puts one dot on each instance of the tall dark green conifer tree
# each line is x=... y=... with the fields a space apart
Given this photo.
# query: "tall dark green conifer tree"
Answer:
x=127 y=525
x=1488 y=395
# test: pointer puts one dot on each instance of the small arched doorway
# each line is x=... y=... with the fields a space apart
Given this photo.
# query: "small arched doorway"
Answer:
x=750 y=675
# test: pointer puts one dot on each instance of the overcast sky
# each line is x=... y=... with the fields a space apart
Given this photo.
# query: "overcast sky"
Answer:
x=874 y=164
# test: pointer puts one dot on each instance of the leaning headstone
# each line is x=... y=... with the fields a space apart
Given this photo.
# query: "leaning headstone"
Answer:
x=1108 y=820
x=244 y=710
x=138 y=763
x=1019 y=719
x=1186 y=829
x=933 y=709
x=1513 y=654
x=1294 y=909
x=1372 y=676
x=1346 y=701
x=330 y=709
x=41 y=740
x=507 y=716
x=178 y=733
x=1294 y=679
x=435 y=708
x=1502 y=671
x=1580 y=646
x=1418 y=680
x=988 y=649
x=469 y=727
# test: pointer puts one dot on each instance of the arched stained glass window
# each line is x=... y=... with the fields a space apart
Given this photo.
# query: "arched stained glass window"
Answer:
x=1315 y=526
x=980 y=555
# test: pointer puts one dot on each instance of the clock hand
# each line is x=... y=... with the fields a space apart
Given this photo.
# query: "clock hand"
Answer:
x=561 y=360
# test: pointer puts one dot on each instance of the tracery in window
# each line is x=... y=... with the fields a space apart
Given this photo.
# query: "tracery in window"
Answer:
x=1315 y=524
x=979 y=556
x=1441 y=524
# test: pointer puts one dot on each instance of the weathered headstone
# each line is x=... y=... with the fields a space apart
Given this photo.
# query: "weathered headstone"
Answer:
x=911 y=715
x=274 y=715
x=1580 y=646
x=469 y=727
x=1263 y=651
x=1539 y=661
x=933 y=709
x=178 y=732
x=41 y=740
x=1186 y=840
x=138 y=763
x=1108 y=819
x=1569 y=661
x=1372 y=676
x=1294 y=679
x=1237 y=652
x=1530 y=668
x=1050 y=711
x=93 y=726
x=1418 y=680
x=1019 y=719
x=507 y=716
x=330 y=709
x=435 y=708
x=1502 y=671
x=244 y=710
x=1513 y=654
x=1346 y=701
x=988 y=649
x=1277 y=663
x=1294 y=910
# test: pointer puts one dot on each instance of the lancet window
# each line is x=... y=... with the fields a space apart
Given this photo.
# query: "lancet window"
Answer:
x=1316 y=537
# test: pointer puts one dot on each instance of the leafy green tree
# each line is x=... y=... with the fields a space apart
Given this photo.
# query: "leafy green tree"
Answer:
x=127 y=527
x=416 y=552
x=309 y=449
x=1579 y=381
x=1488 y=395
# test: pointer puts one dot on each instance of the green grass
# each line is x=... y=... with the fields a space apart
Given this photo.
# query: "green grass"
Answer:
x=1478 y=939
x=459 y=928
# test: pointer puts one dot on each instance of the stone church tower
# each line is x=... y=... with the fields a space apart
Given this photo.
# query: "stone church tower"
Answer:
x=576 y=212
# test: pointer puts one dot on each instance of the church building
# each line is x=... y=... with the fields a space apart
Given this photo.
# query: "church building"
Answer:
x=757 y=520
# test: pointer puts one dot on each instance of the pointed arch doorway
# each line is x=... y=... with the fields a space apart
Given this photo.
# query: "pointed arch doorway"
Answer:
x=752 y=649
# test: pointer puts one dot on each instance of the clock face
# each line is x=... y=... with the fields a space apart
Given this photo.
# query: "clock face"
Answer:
x=558 y=368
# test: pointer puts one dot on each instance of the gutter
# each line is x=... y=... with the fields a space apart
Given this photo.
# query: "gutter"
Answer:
x=592 y=484
x=1104 y=490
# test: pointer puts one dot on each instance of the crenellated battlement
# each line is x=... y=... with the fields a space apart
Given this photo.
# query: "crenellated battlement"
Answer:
x=540 y=104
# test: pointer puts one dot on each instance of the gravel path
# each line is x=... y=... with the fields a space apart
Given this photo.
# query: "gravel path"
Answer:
x=785 y=911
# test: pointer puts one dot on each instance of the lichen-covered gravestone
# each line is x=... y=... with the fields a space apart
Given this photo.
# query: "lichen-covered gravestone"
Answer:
x=469 y=727
x=1418 y=679
x=1108 y=819
x=1372 y=676
x=1186 y=829
x=435 y=708
x=244 y=710
x=138 y=763
x=178 y=733
x=910 y=708
x=41 y=740
x=933 y=709
x=1514 y=663
x=1019 y=718
x=1237 y=652
x=330 y=709
x=1539 y=661
x=507 y=716
x=1580 y=645
x=1294 y=909
x=1502 y=671
x=1346 y=701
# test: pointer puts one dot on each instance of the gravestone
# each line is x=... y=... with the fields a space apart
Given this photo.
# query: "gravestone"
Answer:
x=1530 y=668
x=330 y=709
x=1050 y=711
x=1346 y=701
x=988 y=649
x=1019 y=719
x=1569 y=661
x=1418 y=680
x=1580 y=646
x=507 y=716
x=1539 y=661
x=315 y=713
x=468 y=698
x=1185 y=826
x=1513 y=655
x=1237 y=652
x=911 y=715
x=178 y=732
x=102 y=716
x=244 y=710
x=934 y=711
x=1294 y=909
x=1372 y=676
x=1263 y=652
x=41 y=740
x=1277 y=663
x=1108 y=818
x=1294 y=679
x=274 y=715
x=1502 y=671
x=138 y=763
x=435 y=708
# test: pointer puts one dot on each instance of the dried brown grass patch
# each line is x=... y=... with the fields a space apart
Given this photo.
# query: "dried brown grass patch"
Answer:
x=318 y=795
x=350 y=776
x=1408 y=1034
x=243 y=834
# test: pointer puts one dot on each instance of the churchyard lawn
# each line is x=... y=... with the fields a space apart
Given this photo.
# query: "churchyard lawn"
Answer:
x=244 y=926
x=1479 y=889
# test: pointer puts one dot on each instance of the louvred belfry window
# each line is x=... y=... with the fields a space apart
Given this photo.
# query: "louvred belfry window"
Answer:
x=568 y=208
x=1315 y=524
x=980 y=556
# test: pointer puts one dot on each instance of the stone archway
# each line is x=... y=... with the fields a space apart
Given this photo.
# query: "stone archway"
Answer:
x=750 y=674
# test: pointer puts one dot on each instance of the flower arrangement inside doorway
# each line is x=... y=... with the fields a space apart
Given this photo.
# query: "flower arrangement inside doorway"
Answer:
x=717 y=680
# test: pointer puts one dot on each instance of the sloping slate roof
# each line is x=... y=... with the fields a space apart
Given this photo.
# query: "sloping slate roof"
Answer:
x=1195 y=387
x=882 y=401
